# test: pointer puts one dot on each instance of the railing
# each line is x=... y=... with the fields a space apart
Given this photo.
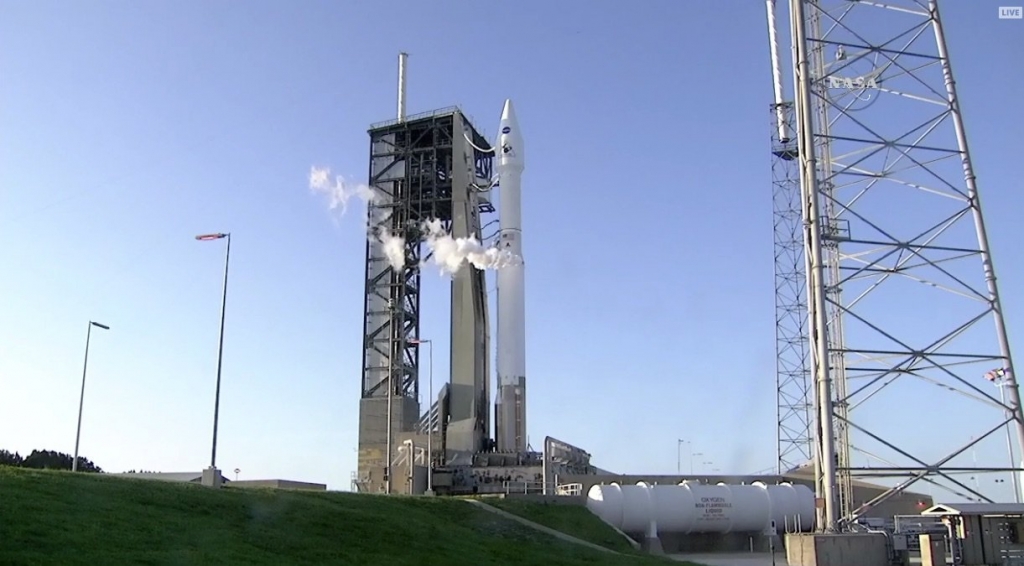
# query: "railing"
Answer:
x=420 y=116
x=525 y=487
x=572 y=489
x=359 y=483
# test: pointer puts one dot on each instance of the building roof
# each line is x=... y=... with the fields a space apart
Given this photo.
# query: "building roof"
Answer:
x=806 y=472
x=197 y=477
x=164 y=476
x=975 y=509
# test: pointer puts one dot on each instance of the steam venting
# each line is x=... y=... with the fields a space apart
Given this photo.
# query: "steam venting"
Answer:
x=338 y=191
x=447 y=253
x=452 y=253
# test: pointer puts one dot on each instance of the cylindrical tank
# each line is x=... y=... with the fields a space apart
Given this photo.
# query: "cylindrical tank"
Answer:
x=605 y=501
x=668 y=499
x=792 y=507
x=696 y=508
x=636 y=508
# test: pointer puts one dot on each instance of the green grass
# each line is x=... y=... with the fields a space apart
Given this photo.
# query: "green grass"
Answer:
x=573 y=520
x=62 y=518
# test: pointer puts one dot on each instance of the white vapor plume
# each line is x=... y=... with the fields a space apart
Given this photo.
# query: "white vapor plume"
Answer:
x=448 y=253
x=338 y=191
x=451 y=253
x=393 y=243
x=394 y=249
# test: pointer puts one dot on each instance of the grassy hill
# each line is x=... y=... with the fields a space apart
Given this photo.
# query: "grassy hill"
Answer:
x=573 y=520
x=62 y=518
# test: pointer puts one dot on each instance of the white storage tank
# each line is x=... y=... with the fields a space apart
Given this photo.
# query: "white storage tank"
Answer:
x=698 y=508
x=628 y=507
x=792 y=507
x=636 y=507
x=667 y=500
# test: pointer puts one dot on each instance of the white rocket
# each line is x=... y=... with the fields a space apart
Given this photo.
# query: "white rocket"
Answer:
x=510 y=409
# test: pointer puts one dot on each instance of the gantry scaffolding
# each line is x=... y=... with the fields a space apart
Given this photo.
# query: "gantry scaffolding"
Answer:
x=423 y=168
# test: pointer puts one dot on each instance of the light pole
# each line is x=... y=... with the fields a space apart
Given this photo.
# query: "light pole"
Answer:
x=391 y=378
x=81 y=397
x=679 y=455
x=1009 y=443
x=692 y=454
x=220 y=347
x=430 y=414
x=1000 y=379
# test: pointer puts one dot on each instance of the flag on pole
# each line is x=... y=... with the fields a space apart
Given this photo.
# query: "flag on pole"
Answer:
x=995 y=374
x=206 y=237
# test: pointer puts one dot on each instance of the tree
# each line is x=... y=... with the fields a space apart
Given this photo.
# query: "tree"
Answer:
x=47 y=460
x=9 y=459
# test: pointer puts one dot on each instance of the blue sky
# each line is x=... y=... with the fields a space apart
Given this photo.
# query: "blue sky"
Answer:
x=126 y=128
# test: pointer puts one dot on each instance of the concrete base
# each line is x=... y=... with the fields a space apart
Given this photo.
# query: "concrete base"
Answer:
x=212 y=477
x=826 y=549
x=652 y=545
x=933 y=550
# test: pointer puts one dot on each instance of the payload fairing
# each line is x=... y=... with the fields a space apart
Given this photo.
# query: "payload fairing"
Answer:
x=510 y=405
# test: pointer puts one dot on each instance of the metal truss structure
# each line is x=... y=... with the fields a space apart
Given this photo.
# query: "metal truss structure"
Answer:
x=406 y=164
x=421 y=168
x=795 y=414
x=406 y=161
x=903 y=313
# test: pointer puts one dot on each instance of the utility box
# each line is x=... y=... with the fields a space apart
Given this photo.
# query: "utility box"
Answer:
x=982 y=534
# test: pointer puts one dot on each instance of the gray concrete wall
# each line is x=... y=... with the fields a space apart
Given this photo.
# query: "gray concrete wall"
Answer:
x=853 y=549
x=540 y=498
x=469 y=422
x=373 y=422
x=280 y=484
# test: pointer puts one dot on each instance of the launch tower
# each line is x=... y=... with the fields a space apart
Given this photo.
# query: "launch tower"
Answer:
x=428 y=166
x=892 y=375
x=427 y=170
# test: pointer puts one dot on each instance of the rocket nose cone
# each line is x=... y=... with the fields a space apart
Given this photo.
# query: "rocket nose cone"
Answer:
x=508 y=113
x=510 y=139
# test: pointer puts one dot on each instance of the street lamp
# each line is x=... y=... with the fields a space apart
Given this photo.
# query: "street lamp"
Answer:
x=391 y=391
x=81 y=398
x=999 y=378
x=430 y=413
x=1009 y=442
x=220 y=347
x=679 y=455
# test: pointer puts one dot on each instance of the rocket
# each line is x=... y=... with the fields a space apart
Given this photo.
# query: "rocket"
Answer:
x=510 y=405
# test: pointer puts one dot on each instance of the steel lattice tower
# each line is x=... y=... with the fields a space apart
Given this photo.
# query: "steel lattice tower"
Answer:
x=904 y=316
x=422 y=167
x=795 y=403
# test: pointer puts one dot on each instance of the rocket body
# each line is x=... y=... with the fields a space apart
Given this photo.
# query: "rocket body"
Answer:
x=510 y=410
